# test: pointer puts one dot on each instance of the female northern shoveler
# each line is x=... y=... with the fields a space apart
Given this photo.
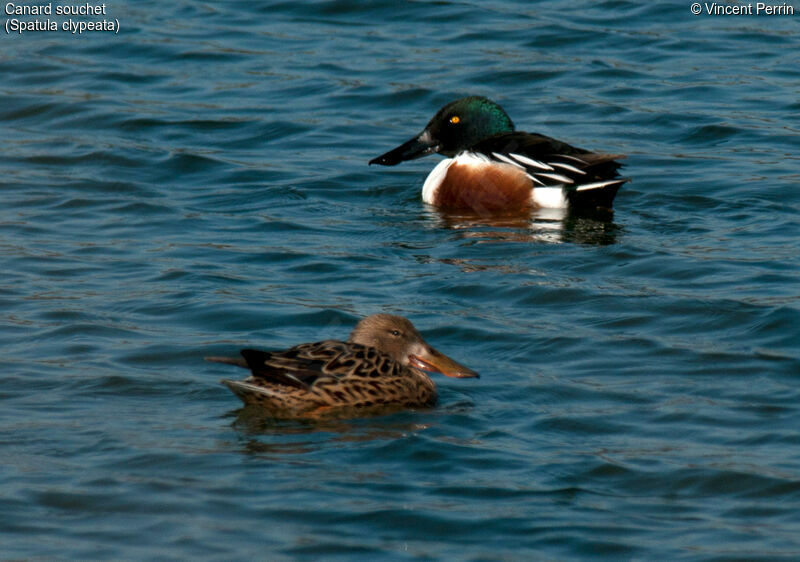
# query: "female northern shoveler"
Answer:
x=381 y=364
x=493 y=168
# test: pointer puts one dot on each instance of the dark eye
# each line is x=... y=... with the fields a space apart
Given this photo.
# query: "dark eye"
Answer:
x=395 y=333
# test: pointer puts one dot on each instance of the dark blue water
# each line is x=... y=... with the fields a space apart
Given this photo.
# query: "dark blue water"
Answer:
x=198 y=183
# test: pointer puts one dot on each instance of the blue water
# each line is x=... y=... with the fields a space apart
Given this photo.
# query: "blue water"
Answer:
x=199 y=183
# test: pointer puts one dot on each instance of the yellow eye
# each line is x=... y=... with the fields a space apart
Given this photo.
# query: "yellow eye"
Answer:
x=455 y=119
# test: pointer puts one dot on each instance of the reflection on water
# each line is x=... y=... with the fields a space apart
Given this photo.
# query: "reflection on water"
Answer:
x=301 y=435
x=552 y=226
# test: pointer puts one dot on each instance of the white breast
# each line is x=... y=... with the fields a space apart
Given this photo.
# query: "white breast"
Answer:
x=434 y=180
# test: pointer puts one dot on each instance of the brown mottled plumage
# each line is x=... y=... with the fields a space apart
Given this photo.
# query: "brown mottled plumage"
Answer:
x=380 y=365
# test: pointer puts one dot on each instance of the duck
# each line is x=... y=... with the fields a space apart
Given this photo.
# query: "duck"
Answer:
x=382 y=364
x=491 y=167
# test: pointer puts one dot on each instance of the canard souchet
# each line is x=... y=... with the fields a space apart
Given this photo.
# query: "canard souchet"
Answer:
x=491 y=167
x=381 y=366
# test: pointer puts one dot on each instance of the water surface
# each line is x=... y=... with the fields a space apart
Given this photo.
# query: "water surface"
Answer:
x=198 y=183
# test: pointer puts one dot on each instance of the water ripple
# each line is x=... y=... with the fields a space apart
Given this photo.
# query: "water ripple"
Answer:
x=199 y=184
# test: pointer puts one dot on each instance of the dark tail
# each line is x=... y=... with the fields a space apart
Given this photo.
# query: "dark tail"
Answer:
x=596 y=195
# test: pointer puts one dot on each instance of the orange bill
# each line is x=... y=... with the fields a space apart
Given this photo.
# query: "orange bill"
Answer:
x=429 y=359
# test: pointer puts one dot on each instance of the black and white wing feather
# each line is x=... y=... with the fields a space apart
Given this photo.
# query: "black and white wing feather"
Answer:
x=588 y=179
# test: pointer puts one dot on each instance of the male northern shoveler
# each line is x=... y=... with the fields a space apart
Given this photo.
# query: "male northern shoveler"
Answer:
x=380 y=365
x=494 y=168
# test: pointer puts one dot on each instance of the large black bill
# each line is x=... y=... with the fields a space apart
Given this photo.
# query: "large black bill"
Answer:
x=415 y=148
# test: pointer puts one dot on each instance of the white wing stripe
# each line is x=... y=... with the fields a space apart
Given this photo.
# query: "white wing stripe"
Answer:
x=531 y=162
x=574 y=159
x=597 y=185
x=507 y=160
x=556 y=177
x=535 y=179
x=568 y=168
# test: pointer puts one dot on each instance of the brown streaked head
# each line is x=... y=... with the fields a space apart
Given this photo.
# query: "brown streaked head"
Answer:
x=398 y=338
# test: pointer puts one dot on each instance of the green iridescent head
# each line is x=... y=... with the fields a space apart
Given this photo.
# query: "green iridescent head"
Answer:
x=457 y=126
x=462 y=123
